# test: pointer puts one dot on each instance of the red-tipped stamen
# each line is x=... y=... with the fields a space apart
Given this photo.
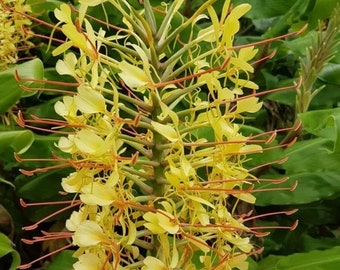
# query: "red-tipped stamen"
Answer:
x=29 y=265
x=201 y=242
x=60 y=83
x=287 y=213
x=35 y=225
x=279 y=161
x=101 y=22
x=269 y=40
x=269 y=56
x=48 y=237
x=291 y=228
x=25 y=204
x=291 y=188
x=273 y=181
x=53 y=90
x=257 y=94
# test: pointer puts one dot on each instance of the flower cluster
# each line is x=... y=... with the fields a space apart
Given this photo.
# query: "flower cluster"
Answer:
x=13 y=36
x=155 y=192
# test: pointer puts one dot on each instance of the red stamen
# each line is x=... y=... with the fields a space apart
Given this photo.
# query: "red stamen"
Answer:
x=24 y=204
x=269 y=56
x=291 y=228
x=35 y=225
x=229 y=191
x=279 y=161
x=269 y=40
x=53 y=90
x=20 y=79
x=273 y=181
x=48 y=237
x=29 y=265
x=257 y=94
x=287 y=213
x=101 y=22
x=291 y=188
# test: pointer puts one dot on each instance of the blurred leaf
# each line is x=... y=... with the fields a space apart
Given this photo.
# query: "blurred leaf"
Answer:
x=326 y=126
x=6 y=222
x=314 y=167
x=319 y=213
x=18 y=140
x=11 y=91
x=314 y=260
x=63 y=261
x=331 y=74
x=321 y=11
x=267 y=8
x=7 y=248
x=309 y=243
x=252 y=264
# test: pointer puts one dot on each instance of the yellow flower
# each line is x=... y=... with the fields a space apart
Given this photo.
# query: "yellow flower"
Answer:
x=152 y=263
x=97 y=194
x=88 y=233
x=86 y=42
x=161 y=222
x=133 y=76
x=88 y=261
x=13 y=32
x=89 y=100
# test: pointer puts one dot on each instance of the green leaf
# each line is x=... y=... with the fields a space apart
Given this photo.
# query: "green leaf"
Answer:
x=313 y=166
x=267 y=8
x=321 y=11
x=11 y=91
x=330 y=74
x=314 y=260
x=326 y=126
x=7 y=248
x=18 y=140
x=63 y=261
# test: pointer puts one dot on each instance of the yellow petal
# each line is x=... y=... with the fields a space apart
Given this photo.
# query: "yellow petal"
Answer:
x=89 y=143
x=63 y=14
x=67 y=66
x=249 y=104
x=240 y=10
x=152 y=263
x=133 y=76
x=88 y=233
x=88 y=261
x=97 y=194
x=89 y=100
x=166 y=131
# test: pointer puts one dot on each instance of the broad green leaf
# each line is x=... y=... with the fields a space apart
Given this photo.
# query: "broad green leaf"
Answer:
x=266 y=8
x=330 y=74
x=269 y=263
x=326 y=126
x=313 y=166
x=321 y=11
x=311 y=243
x=252 y=264
x=18 y=140
x=314 y=260
x=10 y=90
x=63 y=261
x=6 y=247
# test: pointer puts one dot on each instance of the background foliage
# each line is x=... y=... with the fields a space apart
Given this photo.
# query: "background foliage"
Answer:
x=314 y=160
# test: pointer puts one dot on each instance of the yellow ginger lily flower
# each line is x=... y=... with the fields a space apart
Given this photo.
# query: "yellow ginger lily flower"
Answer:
x=13 y=32
x=154 y=193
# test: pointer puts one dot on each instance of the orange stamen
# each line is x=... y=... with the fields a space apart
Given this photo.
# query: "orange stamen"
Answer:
x=29 y=265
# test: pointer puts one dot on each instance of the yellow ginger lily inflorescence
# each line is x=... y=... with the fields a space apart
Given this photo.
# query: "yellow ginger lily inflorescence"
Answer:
x=14 y=32
x=153 y=191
